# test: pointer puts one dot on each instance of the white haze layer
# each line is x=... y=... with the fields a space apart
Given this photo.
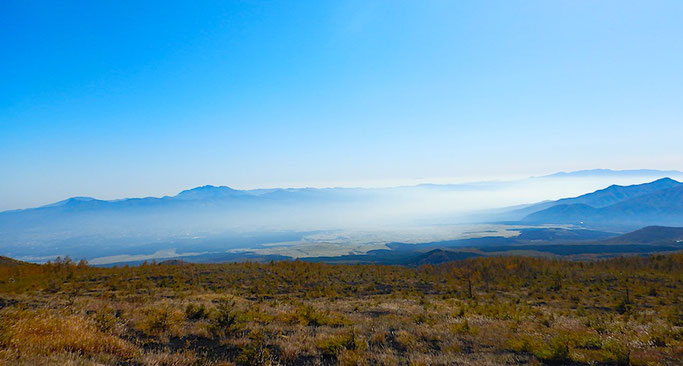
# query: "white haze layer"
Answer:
x=366 y=219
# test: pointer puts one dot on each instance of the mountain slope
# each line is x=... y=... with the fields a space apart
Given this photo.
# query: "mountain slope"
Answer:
x=600 y=198
x=615 y=193
x=662 y=207
x=575 y=213
x=10 y=262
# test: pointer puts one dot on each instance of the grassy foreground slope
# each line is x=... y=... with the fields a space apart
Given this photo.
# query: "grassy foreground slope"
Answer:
x=511 y=310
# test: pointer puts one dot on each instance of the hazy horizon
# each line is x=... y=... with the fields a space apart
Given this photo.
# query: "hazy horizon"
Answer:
x=561 y=188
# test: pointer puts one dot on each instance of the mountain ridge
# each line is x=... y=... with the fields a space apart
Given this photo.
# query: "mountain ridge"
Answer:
x=207 y=191
x=597 y=199
x=663 y=207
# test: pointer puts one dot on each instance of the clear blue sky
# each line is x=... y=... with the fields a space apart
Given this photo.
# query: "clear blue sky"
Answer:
x=134 y=98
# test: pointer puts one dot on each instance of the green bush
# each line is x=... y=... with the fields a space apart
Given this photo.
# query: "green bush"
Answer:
x=554 y=351
x=256 y=353
x=588 y=341
x=196 y=312
x=224 y=320
x=159 y=320
x=309 y=316
x=331 y=346
x=619 y=353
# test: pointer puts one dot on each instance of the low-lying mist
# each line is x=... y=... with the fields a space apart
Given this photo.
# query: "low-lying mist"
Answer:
x=219 y=218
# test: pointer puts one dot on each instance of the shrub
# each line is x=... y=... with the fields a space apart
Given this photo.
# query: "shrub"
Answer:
x=160 y=321
x=224 y=320
x=256 y=353
x=462 y=327
x=334 y=344
x=555 y=351
x=588 y=341
x=623 y=307
x=378 y=339
x=618 y=352
x=405 y=341
x=309 y=316
x=658 y=336
x=350 y=358
x=520 y=343
x=196 y=312
x=105 y=320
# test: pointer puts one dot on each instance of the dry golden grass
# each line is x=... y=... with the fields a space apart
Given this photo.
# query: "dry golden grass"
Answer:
x=523 y=311
x=43 y=332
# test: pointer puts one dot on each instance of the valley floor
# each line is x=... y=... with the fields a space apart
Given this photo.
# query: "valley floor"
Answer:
x=484 y=311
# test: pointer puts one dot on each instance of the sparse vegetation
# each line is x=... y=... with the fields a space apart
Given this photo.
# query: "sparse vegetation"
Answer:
x=493 y=310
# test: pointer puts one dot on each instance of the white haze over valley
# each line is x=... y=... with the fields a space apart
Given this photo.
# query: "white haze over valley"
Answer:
x=288 y=222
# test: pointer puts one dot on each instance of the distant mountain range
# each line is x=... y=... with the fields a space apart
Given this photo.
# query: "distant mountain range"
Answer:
x=609 y=173
x=659 y=202
x=211 y=218
x=615 y=193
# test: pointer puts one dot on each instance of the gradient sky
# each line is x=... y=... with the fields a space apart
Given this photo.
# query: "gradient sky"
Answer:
x=128 y=98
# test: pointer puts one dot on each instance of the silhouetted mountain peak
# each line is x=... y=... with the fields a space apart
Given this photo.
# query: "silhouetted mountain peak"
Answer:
x=71 y=201
x=661 y=183
x=666 y=180
x=208 y=191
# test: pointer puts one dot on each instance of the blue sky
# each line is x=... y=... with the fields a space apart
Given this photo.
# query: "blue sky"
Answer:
x=128 y=98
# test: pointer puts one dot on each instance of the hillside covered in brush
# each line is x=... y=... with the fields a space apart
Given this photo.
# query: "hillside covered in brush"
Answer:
x=483 y=311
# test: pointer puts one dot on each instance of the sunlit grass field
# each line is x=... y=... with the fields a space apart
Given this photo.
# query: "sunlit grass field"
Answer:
x=498 y=310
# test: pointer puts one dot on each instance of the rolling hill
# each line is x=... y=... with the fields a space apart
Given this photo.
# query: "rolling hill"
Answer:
x=650 y=235
x=6 y=261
